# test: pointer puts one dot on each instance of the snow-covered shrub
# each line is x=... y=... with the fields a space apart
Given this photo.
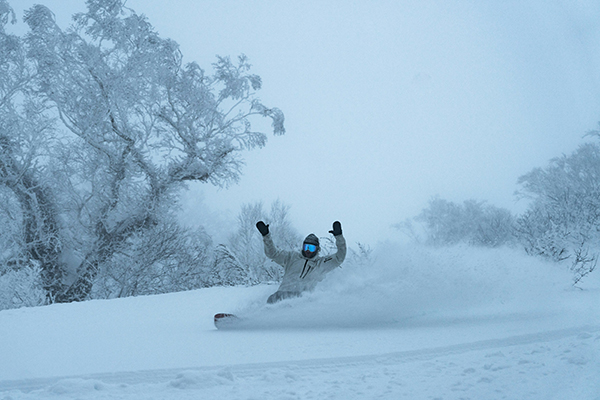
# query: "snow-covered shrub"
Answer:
x=243 y=258
x=474 y=222
x=165 y=259
x=21 y=287
x=563 y=220
x=11 y=238
x=227 y=270
x=362 y=257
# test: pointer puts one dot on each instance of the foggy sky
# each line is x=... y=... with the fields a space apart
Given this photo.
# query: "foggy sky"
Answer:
x=389 y=103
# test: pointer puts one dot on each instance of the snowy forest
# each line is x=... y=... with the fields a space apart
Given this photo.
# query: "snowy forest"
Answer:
x=102 y=126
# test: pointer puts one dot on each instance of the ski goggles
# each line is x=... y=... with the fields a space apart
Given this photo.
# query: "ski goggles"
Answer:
x=309 y=247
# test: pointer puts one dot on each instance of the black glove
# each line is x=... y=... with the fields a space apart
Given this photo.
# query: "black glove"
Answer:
x=262 y=228
x=337 y=229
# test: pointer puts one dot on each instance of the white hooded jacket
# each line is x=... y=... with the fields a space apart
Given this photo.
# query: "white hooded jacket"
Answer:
x=302 y=273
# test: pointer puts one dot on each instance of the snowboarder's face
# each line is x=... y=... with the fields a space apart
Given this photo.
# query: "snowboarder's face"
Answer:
x=309 y=250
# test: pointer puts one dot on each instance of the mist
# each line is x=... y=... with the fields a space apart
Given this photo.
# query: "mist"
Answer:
x=388 y=105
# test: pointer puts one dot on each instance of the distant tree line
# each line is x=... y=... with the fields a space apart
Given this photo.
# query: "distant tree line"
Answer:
x=561 y=222
x=102 y=125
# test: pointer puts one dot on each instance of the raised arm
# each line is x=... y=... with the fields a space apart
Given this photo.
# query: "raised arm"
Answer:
x=340 y=242
x=335 y=260
x=281 y=257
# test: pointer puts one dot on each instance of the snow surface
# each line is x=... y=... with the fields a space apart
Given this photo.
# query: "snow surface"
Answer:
x=415 y=323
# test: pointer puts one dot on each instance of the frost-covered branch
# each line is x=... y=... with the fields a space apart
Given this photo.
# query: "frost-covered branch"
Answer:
x=143 y=123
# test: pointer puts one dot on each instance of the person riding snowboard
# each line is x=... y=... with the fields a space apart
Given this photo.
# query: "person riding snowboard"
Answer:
x=304 y=269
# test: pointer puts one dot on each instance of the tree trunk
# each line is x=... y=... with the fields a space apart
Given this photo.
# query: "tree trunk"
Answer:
x=40 y=226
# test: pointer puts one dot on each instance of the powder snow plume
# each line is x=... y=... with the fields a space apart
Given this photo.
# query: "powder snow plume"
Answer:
x=404 y=283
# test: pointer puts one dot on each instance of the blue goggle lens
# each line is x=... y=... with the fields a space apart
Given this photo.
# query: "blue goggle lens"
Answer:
x=310 y=247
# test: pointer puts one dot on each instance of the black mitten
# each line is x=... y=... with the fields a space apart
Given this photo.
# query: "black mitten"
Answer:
x=337 y=229
x=262 y=228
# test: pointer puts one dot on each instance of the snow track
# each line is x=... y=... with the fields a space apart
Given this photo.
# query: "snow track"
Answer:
x=468 y=365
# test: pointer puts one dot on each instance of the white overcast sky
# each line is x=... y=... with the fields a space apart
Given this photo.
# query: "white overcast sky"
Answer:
x=389 y=103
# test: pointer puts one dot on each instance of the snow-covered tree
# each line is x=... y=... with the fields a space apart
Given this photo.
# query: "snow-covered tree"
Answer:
x=473 y=222
x=142 y=124
x=30 y=224
x=563 y=220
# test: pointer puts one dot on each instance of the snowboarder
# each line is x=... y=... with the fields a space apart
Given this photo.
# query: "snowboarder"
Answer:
x=304 y=269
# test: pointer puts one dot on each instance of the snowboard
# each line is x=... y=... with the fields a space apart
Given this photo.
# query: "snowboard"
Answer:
x=226 y=321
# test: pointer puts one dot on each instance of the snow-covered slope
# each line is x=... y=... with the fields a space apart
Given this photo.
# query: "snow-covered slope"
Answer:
x=415 y=323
